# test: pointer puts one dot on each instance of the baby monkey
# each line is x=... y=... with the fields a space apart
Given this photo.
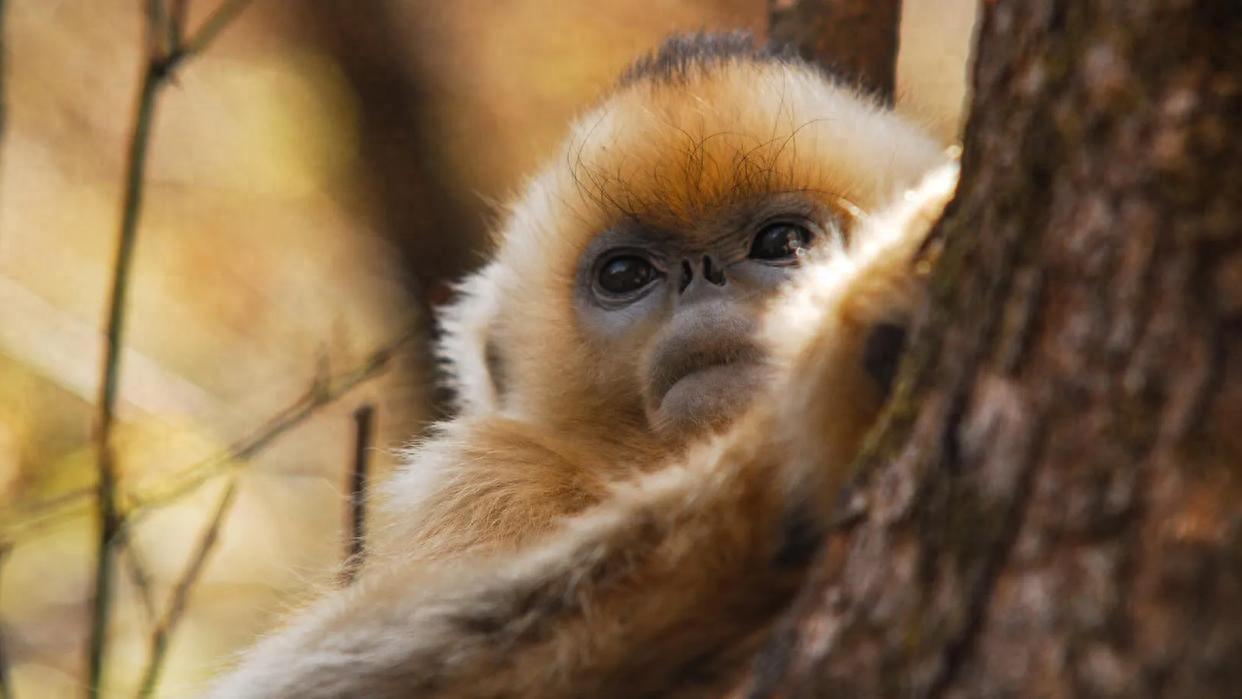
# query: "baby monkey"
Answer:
x=663 y=376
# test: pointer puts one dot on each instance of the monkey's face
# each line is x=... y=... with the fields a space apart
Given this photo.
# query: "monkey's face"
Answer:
x=633 y=272
x=676 y=305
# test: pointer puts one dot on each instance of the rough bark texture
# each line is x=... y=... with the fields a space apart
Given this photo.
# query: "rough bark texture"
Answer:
x=854 y=39
x=1054 y=505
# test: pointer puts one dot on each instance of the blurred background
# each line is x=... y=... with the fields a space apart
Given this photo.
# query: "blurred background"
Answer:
x=316 y=179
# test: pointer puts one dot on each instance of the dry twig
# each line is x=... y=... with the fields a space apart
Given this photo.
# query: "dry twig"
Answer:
x=46 y=515
x=2 y=113
x=323 y=391
x=137 y=569
x=6 y=689
x=180 y=595
x=160 y=63
x=355 y=531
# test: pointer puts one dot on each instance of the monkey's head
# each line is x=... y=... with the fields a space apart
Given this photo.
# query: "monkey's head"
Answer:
x=629 y=278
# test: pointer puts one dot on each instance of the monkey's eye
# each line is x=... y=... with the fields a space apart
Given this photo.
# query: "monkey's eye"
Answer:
x=779 y=242
x=625 y=274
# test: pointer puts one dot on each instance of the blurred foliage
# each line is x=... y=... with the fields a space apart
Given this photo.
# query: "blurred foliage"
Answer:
x=297 y=213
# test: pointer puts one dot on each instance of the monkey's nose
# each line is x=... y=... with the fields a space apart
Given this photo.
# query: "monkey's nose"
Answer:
x=709 y=269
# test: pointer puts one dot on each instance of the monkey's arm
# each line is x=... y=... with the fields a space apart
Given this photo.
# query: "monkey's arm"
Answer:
x=680 y=566
x=482 y=485
x=664 y=587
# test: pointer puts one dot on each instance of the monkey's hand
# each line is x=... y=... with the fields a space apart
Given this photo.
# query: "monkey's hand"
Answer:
x=838 y=332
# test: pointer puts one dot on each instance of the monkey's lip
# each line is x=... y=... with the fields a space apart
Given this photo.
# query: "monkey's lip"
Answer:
x=709 y=398
x=686 y=363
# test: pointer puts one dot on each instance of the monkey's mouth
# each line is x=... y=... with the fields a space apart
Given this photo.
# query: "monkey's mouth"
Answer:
x=685 y=363
x=690 y=388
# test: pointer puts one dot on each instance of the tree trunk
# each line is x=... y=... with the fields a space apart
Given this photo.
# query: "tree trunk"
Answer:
x=856 y=40
x=1052 y=506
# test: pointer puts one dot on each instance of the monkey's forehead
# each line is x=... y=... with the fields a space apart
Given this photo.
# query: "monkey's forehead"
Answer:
x=731 y=131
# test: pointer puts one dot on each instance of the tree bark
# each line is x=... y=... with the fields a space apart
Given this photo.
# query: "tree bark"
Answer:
x=1052 y=505
x=856 y=40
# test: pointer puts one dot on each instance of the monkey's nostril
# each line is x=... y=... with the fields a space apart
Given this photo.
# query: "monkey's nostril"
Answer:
x=712 y=272
x=687 y=274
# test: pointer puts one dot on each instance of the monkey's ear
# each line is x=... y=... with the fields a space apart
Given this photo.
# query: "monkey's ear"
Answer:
x=468 y=346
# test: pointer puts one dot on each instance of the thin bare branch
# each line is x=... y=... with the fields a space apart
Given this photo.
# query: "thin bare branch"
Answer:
x=364 y=419
x=212 y=26
x=46 y=515
x=324 y=391
x=6 y=688
x=137 y=569
x=2 y=65
x=56 y=509
x=180 y=595
x=159 y=62
x=176 y=22
x=160 y=37
x=108 y=512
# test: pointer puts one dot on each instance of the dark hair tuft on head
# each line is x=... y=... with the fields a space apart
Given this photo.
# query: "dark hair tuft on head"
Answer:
x=681 y=54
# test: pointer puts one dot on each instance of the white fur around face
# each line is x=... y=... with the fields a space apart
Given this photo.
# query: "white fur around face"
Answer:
x=465 y=326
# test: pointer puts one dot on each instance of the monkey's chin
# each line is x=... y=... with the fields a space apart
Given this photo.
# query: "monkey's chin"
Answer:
x=709 y=398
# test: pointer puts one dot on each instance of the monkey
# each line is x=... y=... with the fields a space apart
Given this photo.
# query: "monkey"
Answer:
x=662 y=376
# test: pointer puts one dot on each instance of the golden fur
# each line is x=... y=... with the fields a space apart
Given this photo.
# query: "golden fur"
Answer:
x=547 y=543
